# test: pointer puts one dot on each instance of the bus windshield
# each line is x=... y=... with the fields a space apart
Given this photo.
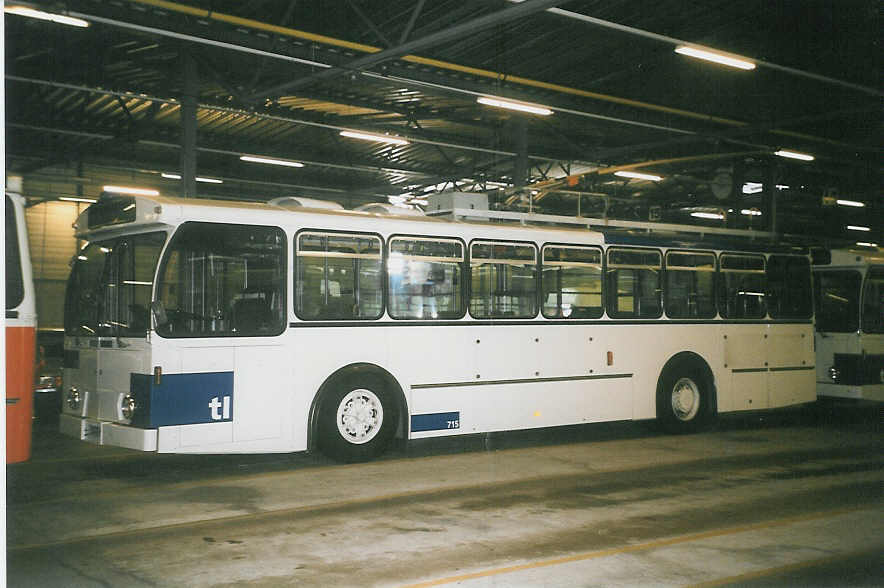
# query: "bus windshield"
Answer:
x=109 y=290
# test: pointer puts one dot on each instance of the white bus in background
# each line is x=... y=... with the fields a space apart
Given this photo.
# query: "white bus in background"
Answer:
x=202 y=326
x=849 y=300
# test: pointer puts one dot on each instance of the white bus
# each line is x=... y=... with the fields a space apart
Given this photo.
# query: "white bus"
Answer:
x=849 y=301
x=21 y=331
x=202 y=326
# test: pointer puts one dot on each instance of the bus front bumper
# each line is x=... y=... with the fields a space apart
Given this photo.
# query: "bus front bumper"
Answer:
x=107 y=433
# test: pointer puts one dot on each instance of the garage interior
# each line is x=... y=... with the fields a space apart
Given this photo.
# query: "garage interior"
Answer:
x=187 y=98
x=169 y=96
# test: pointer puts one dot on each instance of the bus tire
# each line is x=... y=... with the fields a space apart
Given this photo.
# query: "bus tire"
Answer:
x=685 y=397
x=358 y=417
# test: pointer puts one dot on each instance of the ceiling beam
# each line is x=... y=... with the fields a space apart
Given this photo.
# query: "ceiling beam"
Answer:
x=457 y=31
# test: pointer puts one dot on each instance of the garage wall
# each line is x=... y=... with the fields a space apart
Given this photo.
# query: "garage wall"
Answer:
x=52 y=243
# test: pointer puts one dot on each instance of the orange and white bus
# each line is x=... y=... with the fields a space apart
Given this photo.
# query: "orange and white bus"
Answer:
x=21 y=329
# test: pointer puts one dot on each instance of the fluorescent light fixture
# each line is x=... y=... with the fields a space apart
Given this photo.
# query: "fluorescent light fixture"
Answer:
x=129 y=190
x=34 y=13
x=638 y=176
x=854 y=203
x=858 y=228
x=171 y=176
x=73 y=199
x=782 y=187
x=866 y=244
x=751 y=212
x=708 y=215
x=520 y=106
x=794 y=155
x=378 y=138
x=715 y=56
x=271 y=161
x=752 y=188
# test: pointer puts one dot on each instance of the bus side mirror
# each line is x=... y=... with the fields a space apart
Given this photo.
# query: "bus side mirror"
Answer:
x=158 y=309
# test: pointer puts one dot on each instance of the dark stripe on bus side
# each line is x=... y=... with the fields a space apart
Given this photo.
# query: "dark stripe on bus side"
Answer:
x=531 y=322
x=522 y=381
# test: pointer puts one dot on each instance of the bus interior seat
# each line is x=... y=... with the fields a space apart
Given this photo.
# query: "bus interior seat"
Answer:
x=252 y=310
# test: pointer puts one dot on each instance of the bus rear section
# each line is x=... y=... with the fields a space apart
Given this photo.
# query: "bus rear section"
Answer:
x=21 y=329
x=849 y=299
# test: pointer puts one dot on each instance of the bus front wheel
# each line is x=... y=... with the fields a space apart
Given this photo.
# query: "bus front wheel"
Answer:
x=684 y=399
x=357 y=418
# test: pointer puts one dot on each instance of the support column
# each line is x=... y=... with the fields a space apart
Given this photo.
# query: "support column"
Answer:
x=188 y=125
x=771 y=195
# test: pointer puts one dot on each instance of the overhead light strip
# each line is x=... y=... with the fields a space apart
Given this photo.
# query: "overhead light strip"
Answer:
x=518 y=106
x=130 y=190
x=377 y=138
x=794 y=155
x=853 y=203
x=638 y=176
x=271 y=161
x=78 y=199
x=715 y=56
x=858 y=228
x=50 y=16
x=171 y=176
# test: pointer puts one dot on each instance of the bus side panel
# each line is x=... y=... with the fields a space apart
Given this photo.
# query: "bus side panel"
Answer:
x=20 y=348
x=791 y=379
x=745 y=362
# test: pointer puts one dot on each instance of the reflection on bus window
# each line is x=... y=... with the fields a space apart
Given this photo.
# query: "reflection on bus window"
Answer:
x=788 y=286
x=837 y=300
x=339 y=277
x=742 y=287
x=425 y=278
x=690 y=285
x=572 y=282
x=15 y=290
x=634 y=283
x=222 y=280
x=110 y=286
x=873 y=301
x=503 y=280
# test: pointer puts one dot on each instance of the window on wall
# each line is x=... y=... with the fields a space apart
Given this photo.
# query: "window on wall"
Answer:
x=339 y=276
x=15 y=290
x=873 y=301
x=837 y=295
x=789 y=293
x=634 y=283
x=110 y=286
x=425 y=278
x=572 y=282
x=222 y=280
x=742 y=286
x=690 y=285
x=503 y=280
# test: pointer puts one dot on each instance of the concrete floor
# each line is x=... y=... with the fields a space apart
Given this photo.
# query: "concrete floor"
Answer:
x=790 y=498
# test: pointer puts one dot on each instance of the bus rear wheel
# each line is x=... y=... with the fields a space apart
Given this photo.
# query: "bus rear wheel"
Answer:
x=684 y=399
x=357 y=418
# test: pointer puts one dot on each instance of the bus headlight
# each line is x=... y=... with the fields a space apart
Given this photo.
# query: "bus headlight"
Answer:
x=73 y=398
x=128 y=406
x=834 y=373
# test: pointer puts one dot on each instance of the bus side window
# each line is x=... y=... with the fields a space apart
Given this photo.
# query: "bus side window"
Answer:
x=572 y=282
x=690 y=285
x=503 y=280
x=634 y=281
x=741 y=286
x=424 y=278
x=873 y=301
x=338 y=276
x=836 y=294
x=223 y=280
x=788 y=287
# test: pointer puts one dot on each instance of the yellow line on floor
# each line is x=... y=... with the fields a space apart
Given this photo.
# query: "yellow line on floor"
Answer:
x=637 y=547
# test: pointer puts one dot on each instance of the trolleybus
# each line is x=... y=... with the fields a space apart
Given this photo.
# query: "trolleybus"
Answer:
x=849 y=300
x=21 y=329
x=202 y=326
